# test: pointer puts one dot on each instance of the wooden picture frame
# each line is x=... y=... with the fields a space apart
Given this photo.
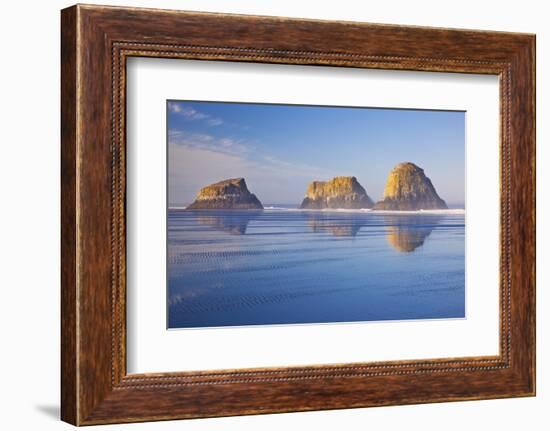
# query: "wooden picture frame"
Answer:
x=95 y=43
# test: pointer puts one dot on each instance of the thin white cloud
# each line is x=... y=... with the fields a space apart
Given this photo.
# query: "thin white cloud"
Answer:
x=174 y=107
x=214 y=121
x=191 y=114
x=199 y=159
x=204 y=141
x=243 y=149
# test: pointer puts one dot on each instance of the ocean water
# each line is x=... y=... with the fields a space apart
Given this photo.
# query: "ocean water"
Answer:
x=286 y=266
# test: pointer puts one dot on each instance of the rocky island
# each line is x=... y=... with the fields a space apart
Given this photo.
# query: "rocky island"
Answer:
x=227 y=194
x=339 y=192
x=409 y=189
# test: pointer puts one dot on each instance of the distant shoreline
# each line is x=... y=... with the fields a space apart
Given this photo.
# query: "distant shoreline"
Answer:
x=450 y=211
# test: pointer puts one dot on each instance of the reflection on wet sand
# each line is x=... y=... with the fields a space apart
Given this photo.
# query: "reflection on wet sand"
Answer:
x=335 y=225
x=236 y=268
x=235 y=224
x=406 y=233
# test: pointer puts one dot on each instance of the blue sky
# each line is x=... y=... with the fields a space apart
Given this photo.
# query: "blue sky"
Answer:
x=279 y=149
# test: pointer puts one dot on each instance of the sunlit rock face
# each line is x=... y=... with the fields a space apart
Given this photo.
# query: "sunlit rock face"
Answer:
x=227 y=194
x=409 y=189
x=339 y=192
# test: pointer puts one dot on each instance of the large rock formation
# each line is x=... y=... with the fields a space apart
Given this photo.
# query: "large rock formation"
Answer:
x=227 y=194
x=409 y=189
x=340 y=192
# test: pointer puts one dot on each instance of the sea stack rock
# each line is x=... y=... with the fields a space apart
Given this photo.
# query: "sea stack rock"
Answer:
x=409 y=189
x=340 y=192
x=228 y=194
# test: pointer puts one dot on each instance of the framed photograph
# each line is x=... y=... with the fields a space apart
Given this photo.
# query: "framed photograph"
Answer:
x=263 y=214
